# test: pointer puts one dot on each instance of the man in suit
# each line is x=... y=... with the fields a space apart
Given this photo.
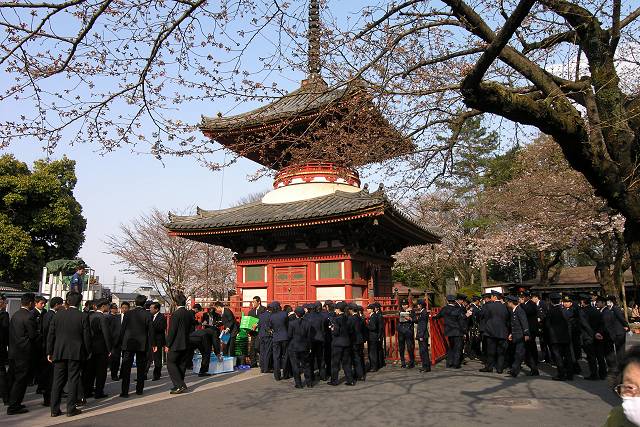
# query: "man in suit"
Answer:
x=68 y=344
x=531 y=310
x=328 y=313
x=341 y=346
x=615 y=328
x=592 y=333
x=159 y=324
x=4 y=344
x=299 y=332
x=559 y=338
x=422 y=334
x=256 y=310
x=115 y=321
x=101 y=346
x=230 y=326
x=406 y=338
x=204 y=340
x=357 y=341
x=319 y=326
x=266 y=341
x=473 y=329
x=278 y=324
x=454 y=316
x=40 y=357
x=23 y=333
x=86 y=378
x=177 y=347
x=519 y=334
x=135 y=340
x=374 y=326
x=496 y=320
x=55 y=305
x=542 y=308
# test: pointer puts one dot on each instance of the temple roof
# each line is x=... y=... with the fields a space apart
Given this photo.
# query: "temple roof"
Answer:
x=332 y=208
x=314 y=122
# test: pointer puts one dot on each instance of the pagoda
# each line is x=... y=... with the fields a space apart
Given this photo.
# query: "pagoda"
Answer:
x=318 y=234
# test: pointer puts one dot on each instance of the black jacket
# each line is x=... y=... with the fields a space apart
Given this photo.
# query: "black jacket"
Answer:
x=136 y=331
x=263 y=324
x=519 y=323
x=496 y=318
x=101 y=342
x=69 y=336
x=4 y=336
x=278 y=324
x=614 y=322
x=23 y=333
x=340 y=331
x=229 y=321
x=453 y=316
x=590 y=324
x=299 y=332
x=115 y=321
x=531 y=309
x=422 y=320
x=319 y=324
x=159 y=326
x=557 y=326
x=180 y=327
x=375 y=325
x=355 y=326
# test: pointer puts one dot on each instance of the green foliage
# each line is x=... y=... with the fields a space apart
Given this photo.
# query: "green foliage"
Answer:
x=40 y=219
x=501 y=169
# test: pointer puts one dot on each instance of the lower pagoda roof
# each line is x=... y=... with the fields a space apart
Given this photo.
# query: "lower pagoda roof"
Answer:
x=333 y=208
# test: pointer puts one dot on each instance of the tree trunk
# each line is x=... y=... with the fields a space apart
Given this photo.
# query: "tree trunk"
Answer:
x=632 y=240
x=545 y=264
x=483 y=275
x=606 y=279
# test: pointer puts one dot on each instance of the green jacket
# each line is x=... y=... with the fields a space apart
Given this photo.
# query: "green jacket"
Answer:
x=616 y=418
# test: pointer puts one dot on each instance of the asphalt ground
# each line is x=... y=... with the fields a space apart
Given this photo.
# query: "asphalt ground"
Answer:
x=392 y=397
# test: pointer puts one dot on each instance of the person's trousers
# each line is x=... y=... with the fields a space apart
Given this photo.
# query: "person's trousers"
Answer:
x=454 y=352
x=357 y=354
x=88 y=376
x=20 y=373
x=127 y=363
x=317 y=359
x=4 y=386
x=531 y=353
x=327 y=354
x=590 y=354
x=561 y=353
x=615 y=348
x=157 y=363
x=254 y=350
x=299 y=364
x=177 y=366
x=599 y=348
x=205 y=351
x=519 y=353
x=266 y=354
x=496 y=348
x=423 y=348
x=99 y=362
x=114 y=364
x=406 y=340
x=341 y=356
x=373 y=353
x=65 y=372
x=279 y=352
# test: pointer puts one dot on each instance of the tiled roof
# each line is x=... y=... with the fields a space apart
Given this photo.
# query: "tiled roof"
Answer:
x=333 y=207
x=584 y=275
x=308 y=98
x=10 y=287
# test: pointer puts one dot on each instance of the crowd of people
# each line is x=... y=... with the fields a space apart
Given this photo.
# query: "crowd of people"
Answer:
x=504 y=332
x=68 y=351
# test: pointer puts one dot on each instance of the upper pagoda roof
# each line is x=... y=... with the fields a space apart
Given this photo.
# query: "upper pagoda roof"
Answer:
x=314 y=122
x=332 y=208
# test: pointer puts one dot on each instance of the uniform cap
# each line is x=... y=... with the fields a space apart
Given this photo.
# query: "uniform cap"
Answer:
x=299 y=311
x=451 y=298
x=372 y=306
x=511 y=298
x=555 y=296
x=497 y=293
x=342 y=306
x=422 y=302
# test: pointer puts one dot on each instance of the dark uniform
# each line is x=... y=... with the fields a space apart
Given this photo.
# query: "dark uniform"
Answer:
x=496 y=317
x=559 y=338
x=406 y=337
x=592 y=334
x=4 y=355
x=299 y=333
x=136 y=337
x=531 y=309
x=278 y=324
x=204 y=340
x=615 y=327
x=374 y=326
x=519 y=334
x=265 y=337
x=319 y=327
x=422 y=321
x=357 y=343
x=159 y=325
x=453 y=316
x=573 y=321
x=341 y=346
x=115 y=320
x=474 y=338
x=23 y=332
x=254 y=351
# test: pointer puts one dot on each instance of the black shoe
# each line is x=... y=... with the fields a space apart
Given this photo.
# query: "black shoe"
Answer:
x=558 y=378
x=156 y=379
x=592 y=378
x=411 y=365
x=17 y=411
x=81 y=402
x=513 y=374
x=310 y=385
x=427 y=369
x=286 y=377
x=569 y=378
x=534 y=373
x=299 y=386
x=332 y=383
x=174 y=388
x=114 y=378
x=124 y=395
x=46 y=403
x=179 y=390
x=73 y=413
x=499 y=371
x=100 y=396
x=486 y=370
x=204 y=374
x=403 y=366
x=139 y=393
x=56 y=414
x=350 y=383
x=88 y=395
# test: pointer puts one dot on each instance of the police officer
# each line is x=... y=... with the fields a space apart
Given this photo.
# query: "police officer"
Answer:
x=591 y=332
x=453 y=316
x=519 y=333
x=496 y=317
x=319 y=326
x=422 y=321
x=374 y=325
x=406 y=336
x=357 y=341
x=299 y=332
x=266 y=340
x=559 y=338
x=474 y=328
x=340 y=346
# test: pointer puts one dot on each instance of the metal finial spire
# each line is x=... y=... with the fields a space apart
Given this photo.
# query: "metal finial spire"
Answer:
x=314 y=38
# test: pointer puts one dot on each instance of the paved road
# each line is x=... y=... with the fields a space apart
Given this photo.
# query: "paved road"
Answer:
x=392 y=397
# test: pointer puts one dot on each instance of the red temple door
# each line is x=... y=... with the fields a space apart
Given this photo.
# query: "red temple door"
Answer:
x=290 y=284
